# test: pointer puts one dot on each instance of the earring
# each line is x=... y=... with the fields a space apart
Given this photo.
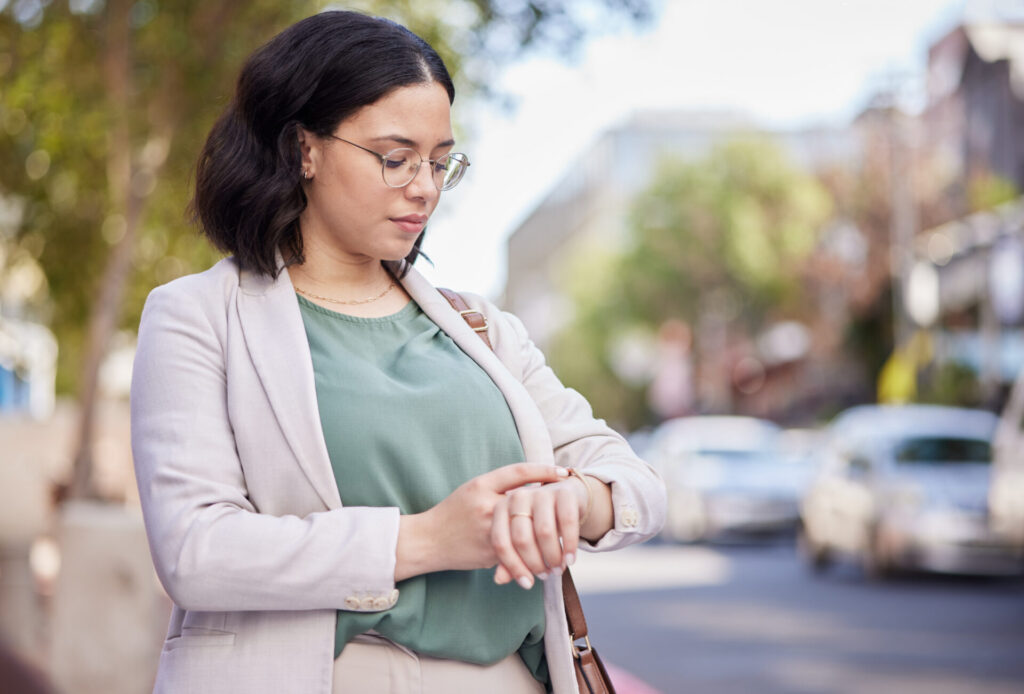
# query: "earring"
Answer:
x=305 y=174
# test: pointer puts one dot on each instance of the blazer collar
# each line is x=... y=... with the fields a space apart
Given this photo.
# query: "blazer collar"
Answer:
x=276 y=339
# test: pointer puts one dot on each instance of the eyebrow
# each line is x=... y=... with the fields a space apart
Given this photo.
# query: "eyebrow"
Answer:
x=409 y=143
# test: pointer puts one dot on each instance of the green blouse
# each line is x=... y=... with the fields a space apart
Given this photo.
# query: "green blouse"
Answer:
x=407 y=418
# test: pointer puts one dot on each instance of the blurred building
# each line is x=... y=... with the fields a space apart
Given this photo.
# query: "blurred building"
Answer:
x=966 y=283
x=974 y=121
x=967 y=287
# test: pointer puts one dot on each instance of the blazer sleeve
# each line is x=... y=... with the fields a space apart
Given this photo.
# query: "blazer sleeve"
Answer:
x=212 y=549
x=579 y=439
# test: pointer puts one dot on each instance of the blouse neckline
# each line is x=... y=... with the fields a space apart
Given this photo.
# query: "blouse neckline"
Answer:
x=405 y=312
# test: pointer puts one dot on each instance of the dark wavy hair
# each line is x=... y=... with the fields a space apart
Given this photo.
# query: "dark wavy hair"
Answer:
x=313 y=75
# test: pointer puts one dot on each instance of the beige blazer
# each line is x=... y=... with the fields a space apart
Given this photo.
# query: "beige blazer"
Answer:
x=245 y=524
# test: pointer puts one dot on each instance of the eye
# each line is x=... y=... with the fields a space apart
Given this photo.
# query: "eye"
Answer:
x=398 y=158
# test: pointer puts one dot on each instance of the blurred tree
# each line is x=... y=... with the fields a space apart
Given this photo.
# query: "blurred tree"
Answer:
x=717 y=243
x=951 y=383
x=104 y=105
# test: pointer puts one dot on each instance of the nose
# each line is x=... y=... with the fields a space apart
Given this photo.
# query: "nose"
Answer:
x=422 y=184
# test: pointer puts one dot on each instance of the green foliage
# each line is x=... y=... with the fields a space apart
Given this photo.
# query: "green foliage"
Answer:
x=986 y=192
x=723 y=237
x=83 y=97
x=738 y=223
x=56 y=105
x=950 y=383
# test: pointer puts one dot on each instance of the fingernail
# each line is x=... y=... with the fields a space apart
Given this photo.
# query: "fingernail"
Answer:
x=570 y=559
x=526 y=582
x=562 y=472
x=557 y=571
x=542 y=575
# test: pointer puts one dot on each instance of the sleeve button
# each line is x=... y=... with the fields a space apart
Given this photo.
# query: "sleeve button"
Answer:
x=352 y=603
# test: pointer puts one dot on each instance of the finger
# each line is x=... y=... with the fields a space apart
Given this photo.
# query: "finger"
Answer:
x=568 y=515
x=502 y=575
x=501 y=541
x=516 y=475
x=545 y=530
x=521 y=528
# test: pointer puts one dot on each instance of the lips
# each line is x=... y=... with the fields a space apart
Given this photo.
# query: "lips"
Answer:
x=412 y=223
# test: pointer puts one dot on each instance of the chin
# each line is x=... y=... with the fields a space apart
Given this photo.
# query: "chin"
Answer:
x=397 y=253
x=395 y=256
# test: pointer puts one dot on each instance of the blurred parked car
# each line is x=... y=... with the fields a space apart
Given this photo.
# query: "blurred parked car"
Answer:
x=907 y=487
x=1006 y=495
x=725 y=475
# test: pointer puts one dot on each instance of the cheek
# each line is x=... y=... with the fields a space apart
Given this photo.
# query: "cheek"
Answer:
x=354 y=197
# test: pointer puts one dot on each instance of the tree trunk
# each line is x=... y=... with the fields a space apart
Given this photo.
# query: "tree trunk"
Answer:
x=106 y=308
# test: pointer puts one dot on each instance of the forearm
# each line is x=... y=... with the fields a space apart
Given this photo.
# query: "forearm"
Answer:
x=226 y=558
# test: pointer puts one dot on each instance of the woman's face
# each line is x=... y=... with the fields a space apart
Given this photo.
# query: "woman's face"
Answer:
x=351 y=214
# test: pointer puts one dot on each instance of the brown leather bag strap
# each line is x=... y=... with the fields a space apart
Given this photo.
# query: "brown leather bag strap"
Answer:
x=476 y=320
x=573 y=608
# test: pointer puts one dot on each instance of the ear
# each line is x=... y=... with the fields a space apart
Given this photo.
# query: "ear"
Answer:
x=311 y=149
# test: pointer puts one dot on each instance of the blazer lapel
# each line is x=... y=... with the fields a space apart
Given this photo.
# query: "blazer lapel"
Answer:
x=529 y=421
x=276 y=339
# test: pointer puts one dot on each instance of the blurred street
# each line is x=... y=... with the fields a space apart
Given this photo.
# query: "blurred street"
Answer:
x=752 y=618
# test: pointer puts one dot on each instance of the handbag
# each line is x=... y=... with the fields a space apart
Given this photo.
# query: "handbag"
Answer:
x=591 y=676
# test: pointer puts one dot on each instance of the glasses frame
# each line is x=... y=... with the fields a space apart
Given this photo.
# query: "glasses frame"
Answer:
x=433 y=162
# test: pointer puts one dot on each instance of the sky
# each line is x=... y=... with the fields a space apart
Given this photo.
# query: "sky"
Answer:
x=783 y=63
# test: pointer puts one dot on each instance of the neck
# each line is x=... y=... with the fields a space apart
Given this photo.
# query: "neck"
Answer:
x=334 y=273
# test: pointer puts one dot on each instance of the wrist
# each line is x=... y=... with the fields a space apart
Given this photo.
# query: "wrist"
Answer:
x=413 y=553
x=587 y=497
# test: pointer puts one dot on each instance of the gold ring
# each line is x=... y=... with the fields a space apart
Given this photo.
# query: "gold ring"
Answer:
x=520 y=513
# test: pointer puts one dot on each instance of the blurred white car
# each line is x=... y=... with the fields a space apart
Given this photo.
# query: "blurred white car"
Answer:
x=907 y=487
x=725 y=474
x=1006 y=495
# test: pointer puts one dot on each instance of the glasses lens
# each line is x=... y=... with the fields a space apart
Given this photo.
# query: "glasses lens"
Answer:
x=449 y=170
x=400 y=167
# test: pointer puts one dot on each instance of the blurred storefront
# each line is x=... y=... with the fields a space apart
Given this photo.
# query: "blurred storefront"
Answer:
x=967 y=288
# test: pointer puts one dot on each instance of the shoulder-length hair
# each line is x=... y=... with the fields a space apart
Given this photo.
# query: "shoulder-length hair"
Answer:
x=313 y=75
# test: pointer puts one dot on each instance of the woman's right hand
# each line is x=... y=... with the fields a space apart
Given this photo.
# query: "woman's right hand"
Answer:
x=456 y=533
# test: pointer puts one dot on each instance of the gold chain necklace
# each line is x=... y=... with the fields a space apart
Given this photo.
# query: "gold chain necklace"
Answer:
x=355 y=302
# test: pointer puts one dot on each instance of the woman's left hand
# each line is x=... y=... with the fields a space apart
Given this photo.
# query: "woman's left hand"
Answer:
x=536 y=530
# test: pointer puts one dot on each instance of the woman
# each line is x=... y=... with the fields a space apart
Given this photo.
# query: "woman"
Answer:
x=329 y=458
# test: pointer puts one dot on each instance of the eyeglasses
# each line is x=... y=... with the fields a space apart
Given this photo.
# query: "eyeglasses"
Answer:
x=400 y=166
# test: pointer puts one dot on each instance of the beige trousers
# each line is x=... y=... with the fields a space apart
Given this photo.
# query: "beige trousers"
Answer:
x=372 y=664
